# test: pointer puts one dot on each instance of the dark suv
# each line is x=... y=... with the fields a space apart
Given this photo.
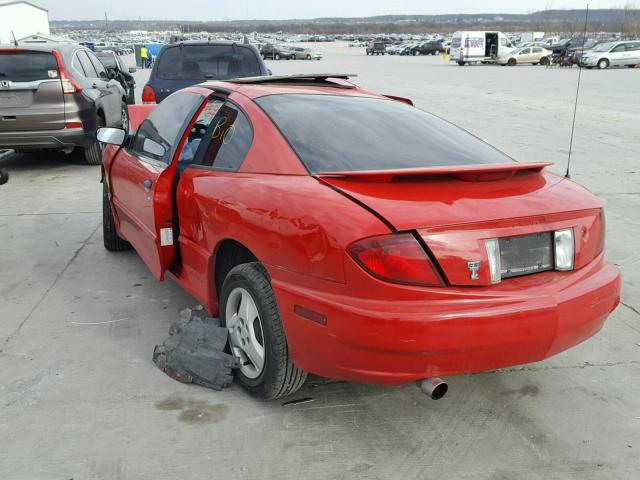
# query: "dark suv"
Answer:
x=189 y=63
x=428 y=48
x=56 y=97
x=376 y=48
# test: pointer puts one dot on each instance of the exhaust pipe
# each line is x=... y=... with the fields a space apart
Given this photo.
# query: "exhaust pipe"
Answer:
x=434 y=387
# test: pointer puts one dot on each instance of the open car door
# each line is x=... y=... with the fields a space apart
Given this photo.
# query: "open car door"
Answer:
x=142 y=179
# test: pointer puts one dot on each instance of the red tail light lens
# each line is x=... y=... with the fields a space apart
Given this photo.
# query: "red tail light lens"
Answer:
x=69 y=85
x=396 y=258
x=148 y=95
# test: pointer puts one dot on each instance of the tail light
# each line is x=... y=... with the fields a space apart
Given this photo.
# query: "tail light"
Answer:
x=69 y=85
x=396 y=258
x=148 y=94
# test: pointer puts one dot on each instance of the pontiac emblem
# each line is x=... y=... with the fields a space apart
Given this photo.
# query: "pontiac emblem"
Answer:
x=473 y=268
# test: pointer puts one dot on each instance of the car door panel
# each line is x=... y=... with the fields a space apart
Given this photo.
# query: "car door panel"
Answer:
x=142 y=186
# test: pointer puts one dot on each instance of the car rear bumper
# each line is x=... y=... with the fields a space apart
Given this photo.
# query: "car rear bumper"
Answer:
x=41 y=139
x=395 y=340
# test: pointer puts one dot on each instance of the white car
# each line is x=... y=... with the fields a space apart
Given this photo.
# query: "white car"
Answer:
x=534 y=55
x=613 y=54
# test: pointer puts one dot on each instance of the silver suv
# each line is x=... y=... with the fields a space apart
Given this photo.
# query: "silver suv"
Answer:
x=56 y=97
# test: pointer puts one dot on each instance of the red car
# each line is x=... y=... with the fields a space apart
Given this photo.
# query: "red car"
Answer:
x=351 y=235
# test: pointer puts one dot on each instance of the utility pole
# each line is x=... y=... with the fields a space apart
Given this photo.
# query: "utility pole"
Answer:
x=106 y=22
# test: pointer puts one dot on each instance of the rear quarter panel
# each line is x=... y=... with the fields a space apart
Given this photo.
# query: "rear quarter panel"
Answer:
x=291 y=223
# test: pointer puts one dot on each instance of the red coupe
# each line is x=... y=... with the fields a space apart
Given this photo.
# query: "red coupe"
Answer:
x=351 y=235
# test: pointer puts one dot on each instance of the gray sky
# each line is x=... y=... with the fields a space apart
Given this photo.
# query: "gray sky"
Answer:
x=286 y=9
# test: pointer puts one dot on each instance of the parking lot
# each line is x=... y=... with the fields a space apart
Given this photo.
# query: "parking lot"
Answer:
x=81 y=398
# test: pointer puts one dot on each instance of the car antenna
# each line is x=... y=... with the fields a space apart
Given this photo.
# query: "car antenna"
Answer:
x=575 y=106
x=15 y=42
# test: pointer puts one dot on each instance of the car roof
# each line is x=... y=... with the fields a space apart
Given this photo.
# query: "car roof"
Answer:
x=320 y=84
x=48 y=48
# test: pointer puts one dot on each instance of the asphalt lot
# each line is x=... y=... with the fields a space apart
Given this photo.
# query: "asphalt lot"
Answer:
x=80 y=397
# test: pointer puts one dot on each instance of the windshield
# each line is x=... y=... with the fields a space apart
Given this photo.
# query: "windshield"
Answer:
x=201 y=62
x=341 y=133
x=603 y=47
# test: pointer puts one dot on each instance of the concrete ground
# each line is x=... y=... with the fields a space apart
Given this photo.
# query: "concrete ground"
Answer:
x=80 y=397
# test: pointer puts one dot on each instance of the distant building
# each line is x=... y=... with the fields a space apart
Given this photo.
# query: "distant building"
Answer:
x=24 y=18
x=42 y=38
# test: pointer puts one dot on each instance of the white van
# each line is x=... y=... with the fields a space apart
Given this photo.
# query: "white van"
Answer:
x=477 y=46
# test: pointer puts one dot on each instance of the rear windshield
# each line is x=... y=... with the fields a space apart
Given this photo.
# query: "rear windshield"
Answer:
x=340 y=133
x=27 y=66
x=203 y=62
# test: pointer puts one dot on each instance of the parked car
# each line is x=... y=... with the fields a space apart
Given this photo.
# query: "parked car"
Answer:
x=427 y=48
x=56 y=97
x=276 y=52
x=188 y=63
x=416 y=252
x=566 y=45
x=299 y=53
x=533 y=55
x=613 y=54
x=376 y=48
x=117 y=69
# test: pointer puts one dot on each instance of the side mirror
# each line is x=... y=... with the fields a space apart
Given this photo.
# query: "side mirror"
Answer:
x=113 y=136
x=153 y=148
x=132 y=69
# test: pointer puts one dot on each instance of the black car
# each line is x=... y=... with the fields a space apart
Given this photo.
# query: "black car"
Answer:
x=275 y=52
x=189 y=63
x=120 y=72
x=427 y=48
x=565 y=46
x=376 y=48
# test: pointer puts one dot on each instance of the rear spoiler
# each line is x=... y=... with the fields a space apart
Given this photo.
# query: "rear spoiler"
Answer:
x=490 y=171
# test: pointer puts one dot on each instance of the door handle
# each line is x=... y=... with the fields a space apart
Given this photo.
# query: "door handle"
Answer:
x=147 y=184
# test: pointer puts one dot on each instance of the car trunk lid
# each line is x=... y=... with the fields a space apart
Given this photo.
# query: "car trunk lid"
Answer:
x=31 y=96
x=454 y=209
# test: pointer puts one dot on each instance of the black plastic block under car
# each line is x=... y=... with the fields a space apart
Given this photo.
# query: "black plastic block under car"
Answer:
x=194 y=351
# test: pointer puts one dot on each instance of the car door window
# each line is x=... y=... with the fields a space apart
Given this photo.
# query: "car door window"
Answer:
x=619 y=49
x=86 y=65
x=164 y=127
x=537 y=50
x=97 y=64
x=199 y=132
x=229 y=138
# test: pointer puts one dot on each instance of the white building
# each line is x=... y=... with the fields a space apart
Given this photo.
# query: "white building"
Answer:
x=24 y=18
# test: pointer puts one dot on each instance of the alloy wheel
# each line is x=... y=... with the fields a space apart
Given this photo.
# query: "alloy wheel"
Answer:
x=246 y=338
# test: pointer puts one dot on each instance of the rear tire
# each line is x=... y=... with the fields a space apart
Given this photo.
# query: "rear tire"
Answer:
x=278 y=376
x=112 y=241
x=544 y=61
x=92 y=155
x=461 y=62
x=277 y=56
x=131 y=98
x=308 y=57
